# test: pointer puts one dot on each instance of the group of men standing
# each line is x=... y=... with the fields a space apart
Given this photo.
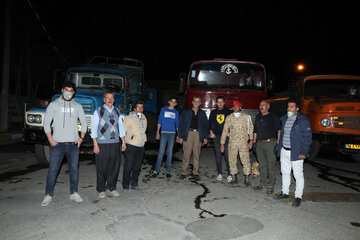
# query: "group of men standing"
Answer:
x=233 y=135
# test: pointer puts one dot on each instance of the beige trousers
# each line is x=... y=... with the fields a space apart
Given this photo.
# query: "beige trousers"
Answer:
x=192 y=145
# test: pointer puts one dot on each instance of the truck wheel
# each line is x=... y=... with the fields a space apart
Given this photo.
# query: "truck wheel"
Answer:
x=42 y=154
x=355 y=156
x=314 y=149
x=151 y=127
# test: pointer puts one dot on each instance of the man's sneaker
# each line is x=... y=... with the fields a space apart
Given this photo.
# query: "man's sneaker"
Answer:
x=219 y=177
x=102 y=195
x=154 y=174
x=182 y=176
x=270 y=191
x=127 y=190
x=258 y=187
x=296 y=202
x=229 y=179
x=76 y=197
x=47 y=200
x=281 y=196
x=196 y=177
x=114 y=193
x=168 y=175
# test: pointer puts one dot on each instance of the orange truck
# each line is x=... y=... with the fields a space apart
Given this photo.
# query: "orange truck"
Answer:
x=332 y=103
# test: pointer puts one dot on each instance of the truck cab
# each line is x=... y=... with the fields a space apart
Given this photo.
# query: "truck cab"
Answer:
x=332 y=104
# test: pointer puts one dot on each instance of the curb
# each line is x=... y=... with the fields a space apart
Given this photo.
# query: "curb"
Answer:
x=9 y=137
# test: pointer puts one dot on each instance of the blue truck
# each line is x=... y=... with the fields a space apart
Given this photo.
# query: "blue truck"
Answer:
x=123 y=76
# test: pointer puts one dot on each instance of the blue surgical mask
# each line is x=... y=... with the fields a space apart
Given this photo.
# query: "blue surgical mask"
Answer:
x=138 y=115
x=291 y=114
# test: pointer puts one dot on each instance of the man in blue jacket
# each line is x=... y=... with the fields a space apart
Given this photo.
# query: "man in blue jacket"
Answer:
x=193 y=131
x=293 y=148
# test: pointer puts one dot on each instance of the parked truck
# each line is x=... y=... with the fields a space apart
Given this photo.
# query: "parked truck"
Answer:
x=233 y=79
x=123 y=76
x=332 y=103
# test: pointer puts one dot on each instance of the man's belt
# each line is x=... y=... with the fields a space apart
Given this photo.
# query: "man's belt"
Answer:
x=193 y=130
x=267 y=140
x=287 y=149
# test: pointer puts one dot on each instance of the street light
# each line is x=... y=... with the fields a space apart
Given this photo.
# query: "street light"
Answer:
x=300 y=67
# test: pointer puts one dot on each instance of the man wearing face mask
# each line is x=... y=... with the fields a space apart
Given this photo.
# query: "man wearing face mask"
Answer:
x=239 y=127
x=135 y=127
x=293 y=148
x=64 y=114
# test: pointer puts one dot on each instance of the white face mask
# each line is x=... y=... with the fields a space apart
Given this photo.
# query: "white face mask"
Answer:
x=237 y=114
x=67 y=96
x=291 y=114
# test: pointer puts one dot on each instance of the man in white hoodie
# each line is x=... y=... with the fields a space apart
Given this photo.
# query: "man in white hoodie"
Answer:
x=64 y=113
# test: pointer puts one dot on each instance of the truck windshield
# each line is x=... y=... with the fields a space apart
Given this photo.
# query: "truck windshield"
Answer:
x=227 y=75
x=87 y=79
x=332 y=88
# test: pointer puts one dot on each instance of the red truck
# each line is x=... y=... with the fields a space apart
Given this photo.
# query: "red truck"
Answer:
x=233 y=79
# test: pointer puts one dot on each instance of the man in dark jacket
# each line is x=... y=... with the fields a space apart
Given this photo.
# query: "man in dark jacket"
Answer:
x=193 y=131
x=293 y=148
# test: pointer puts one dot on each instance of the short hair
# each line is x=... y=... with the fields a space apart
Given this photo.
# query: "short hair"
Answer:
x=108 y=92
x=220 y=97
x=69 y=85
x=294 y=101
x=172 y=97
x=267 y=102
x=196 y=97
x=137 y=103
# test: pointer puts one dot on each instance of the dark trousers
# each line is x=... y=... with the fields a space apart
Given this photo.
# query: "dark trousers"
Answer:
x=107 y=166
x=267 y=160
x=219 y=154
x=133 y=157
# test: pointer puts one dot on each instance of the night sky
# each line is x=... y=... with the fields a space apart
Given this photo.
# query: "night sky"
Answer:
x=169 y=35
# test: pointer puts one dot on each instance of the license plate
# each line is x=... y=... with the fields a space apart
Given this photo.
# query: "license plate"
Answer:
x=352 y=146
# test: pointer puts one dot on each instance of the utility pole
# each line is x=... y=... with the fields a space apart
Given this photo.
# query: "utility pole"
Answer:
x=4 y=125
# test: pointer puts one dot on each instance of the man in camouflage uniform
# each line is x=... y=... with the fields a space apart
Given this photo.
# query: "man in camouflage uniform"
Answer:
x=240 y=129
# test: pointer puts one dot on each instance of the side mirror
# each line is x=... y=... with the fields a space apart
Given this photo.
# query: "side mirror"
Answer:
x=182 y=82
x=270 y=81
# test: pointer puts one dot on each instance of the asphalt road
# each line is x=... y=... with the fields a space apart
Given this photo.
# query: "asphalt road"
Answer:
x=174 y=208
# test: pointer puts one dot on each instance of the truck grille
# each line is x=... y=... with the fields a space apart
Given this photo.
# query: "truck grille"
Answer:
x=346 y=122
x=88 y=108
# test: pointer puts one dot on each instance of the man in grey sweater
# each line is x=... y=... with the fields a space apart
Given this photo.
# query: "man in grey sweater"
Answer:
x=64 y=139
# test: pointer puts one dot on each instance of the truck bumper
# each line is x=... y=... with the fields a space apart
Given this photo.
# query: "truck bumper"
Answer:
x=346 y=143
x=37 y=135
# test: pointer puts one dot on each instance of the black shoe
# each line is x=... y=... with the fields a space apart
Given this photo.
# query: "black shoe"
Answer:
x=247 y=181
x=234 y=179
x=168 y=175
x=182 y=176
x=196 y=177
x=296 y=202
x=154 y=174
x=270 y=191
x=281 y=196
x=259 y=187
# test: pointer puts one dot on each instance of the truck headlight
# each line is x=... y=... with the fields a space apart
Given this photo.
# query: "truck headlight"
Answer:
x=325 y=122
x=30 y=118
x=34 y=118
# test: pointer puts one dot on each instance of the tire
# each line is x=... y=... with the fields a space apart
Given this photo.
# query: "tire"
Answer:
x=42 y=154
x=314 y=149
x=151 y=126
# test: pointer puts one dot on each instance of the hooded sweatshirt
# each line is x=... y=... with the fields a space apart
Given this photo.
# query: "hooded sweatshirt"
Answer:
x=64 y=116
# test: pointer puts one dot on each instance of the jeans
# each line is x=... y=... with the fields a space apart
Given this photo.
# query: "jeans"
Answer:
x=133 y=157
x=57 y=154
x=219 y=154
x=166 y=138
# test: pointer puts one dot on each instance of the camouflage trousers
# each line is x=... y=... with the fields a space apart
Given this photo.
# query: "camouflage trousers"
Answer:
x=242 y=149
